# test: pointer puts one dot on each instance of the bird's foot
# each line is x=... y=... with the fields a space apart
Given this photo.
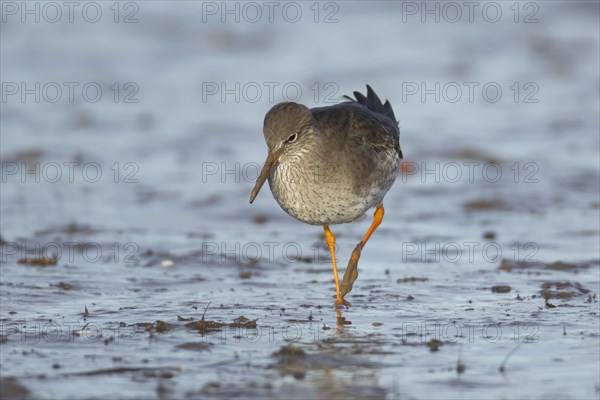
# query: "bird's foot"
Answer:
x=340 y=301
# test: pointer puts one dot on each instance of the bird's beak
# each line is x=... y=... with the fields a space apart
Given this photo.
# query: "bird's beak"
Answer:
x=272 y=161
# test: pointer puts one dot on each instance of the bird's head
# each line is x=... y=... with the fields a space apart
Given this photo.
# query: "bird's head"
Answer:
x=287 y=128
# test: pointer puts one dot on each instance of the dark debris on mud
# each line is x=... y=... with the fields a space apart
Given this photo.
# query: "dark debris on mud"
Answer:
x=510 y=265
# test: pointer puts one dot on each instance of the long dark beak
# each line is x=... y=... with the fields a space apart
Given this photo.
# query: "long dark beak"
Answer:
x=272 y=160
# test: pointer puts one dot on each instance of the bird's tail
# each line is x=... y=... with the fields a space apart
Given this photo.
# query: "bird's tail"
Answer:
x=373 y=103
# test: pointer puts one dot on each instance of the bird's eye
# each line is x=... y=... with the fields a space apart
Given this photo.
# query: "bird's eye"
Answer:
x=292 y=138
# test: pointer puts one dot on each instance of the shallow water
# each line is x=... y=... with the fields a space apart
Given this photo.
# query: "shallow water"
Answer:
x=152 y=252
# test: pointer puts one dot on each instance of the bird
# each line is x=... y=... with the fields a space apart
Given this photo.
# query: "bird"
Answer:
x=330 y=165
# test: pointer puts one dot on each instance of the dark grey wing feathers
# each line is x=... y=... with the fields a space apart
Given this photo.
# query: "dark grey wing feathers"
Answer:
x=361 y=98
x=374 y=100
x=373 y=103
x=366 y=118
x=383 y=112
x=387 y=107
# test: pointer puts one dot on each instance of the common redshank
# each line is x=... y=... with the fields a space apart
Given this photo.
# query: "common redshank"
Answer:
x=329 y=165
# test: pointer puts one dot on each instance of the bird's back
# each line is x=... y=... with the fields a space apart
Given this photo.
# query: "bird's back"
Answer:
x=364 y=119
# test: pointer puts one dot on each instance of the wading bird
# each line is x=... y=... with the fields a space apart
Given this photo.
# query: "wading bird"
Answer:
x=329 y=165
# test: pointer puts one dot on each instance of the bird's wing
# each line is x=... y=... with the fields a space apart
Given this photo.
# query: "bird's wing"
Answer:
x=361 y=122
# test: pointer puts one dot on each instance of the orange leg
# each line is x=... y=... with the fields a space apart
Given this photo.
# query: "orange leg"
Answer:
x=377 y=218
x=330 y=240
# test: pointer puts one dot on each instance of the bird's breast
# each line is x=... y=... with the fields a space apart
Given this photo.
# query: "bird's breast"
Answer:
x=319 y=191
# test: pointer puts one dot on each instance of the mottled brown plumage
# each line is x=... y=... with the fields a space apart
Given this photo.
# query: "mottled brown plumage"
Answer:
x=332 y=163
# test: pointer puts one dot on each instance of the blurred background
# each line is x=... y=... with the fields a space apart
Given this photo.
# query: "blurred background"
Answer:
x=131 y=136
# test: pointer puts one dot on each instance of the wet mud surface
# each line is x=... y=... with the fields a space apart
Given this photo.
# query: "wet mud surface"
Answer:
x=160 y=281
